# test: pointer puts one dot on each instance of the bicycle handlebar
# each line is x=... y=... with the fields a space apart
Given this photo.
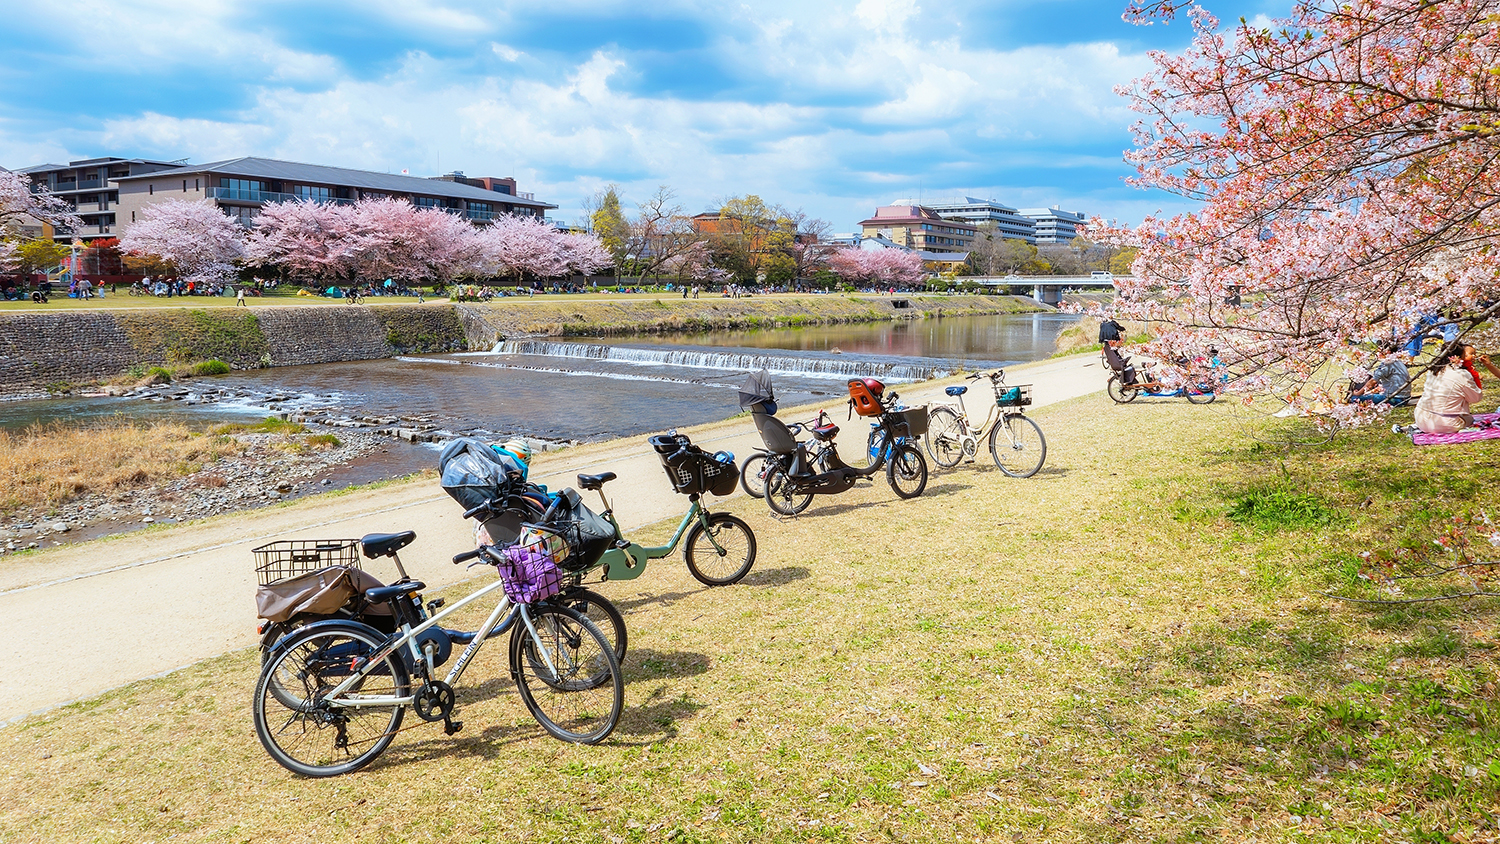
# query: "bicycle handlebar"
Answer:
x=466 y=556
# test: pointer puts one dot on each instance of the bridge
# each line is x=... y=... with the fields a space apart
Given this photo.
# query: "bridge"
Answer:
x=1048 y=289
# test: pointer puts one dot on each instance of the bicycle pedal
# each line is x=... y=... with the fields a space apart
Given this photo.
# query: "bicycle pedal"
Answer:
x=451 y=727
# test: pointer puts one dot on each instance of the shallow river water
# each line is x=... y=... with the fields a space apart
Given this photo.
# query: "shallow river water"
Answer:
x=583 y=390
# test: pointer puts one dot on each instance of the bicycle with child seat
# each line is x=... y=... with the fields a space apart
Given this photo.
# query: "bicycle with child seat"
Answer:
x=718 y=548
x=1016 y=442
x=332 y=695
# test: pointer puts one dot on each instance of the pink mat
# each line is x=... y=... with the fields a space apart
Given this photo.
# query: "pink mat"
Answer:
x=1467 y=435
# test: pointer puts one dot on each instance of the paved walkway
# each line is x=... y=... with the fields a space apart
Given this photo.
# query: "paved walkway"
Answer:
x=79 y=620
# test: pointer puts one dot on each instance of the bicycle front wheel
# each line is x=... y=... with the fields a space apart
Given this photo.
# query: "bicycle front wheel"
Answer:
x=1199 y=393
x=945 y=437
x=295 y=724
x=1018 y=446
x=727 y=563
x=753 y=475
x=782 y=495
x=567 y=674
x=906 y=471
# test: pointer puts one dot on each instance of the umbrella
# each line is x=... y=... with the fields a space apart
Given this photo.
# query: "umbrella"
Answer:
x=756 y=389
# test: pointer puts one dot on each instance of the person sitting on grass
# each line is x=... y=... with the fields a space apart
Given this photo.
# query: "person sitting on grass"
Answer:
x=1450 y=391
x=1389 y=381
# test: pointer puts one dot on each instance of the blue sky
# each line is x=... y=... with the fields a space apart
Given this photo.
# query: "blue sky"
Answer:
x=834 y=107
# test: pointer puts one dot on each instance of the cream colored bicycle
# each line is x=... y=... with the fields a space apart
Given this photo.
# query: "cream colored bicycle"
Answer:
x=1015 y=440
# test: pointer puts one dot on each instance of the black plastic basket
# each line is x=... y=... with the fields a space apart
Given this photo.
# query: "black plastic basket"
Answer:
x=291 y=557
x=692 y=470
x=1016 y=396
x=913 y=422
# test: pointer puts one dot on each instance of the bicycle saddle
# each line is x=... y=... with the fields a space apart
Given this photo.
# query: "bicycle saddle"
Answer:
x=596 y=481
x=825 y=433
x=956 y=391
x=385 y=544
x=381 y=594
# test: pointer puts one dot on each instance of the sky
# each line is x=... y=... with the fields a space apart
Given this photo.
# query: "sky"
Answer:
x=831 y=107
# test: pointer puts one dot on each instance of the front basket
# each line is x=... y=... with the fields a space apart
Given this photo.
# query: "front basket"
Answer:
x=1017 y=396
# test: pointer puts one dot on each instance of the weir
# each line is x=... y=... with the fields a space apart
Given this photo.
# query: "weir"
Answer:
x=782 y=364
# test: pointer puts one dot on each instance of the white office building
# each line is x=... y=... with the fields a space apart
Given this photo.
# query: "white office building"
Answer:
x=1053 y=225
x=1007 y=221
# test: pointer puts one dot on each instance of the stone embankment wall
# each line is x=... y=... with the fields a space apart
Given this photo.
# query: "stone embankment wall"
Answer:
x=42 y=350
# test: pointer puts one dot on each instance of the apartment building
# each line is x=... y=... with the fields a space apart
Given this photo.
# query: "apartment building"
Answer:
x=920 y=228
x=88 y=187
x=242 y=186
x=1007 y=221
x=1054 y=225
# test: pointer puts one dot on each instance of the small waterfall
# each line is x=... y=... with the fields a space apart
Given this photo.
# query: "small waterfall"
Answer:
x=740 y=360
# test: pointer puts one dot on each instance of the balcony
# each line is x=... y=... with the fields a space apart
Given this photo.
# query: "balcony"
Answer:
x=243 y=195
x=477 y=214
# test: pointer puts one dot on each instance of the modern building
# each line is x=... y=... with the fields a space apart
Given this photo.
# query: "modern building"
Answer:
x=1054 y=225
x=920 y=228
x=88 y=187
x=1007 y=221
x=242 y=186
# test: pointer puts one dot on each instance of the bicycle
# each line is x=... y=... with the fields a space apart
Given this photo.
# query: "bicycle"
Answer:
x=796 y=471
x=718 y=548
x=332 y=696
x=1016 y=442
x=356 y=298
x=1125 y=385
x=753 y=471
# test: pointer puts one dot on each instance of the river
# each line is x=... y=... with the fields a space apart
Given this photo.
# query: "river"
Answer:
x=580 y=390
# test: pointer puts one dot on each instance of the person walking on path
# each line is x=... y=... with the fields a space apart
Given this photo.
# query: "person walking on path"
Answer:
x=239 y=298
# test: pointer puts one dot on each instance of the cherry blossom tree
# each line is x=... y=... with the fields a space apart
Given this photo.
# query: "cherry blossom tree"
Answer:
x=308 y=239
x=1344 y=159
x=17 y=203
x=196 y=238
x=877 y=266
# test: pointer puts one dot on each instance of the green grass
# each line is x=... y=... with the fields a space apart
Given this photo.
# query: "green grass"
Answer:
x=1131 y=646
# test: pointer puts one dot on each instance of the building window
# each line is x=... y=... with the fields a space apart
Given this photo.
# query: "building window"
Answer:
x=184 y=185
x=427 y=202
x=313 y=194
x=151 y=190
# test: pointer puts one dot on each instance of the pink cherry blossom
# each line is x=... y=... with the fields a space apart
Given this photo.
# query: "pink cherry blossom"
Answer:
x=195 y=237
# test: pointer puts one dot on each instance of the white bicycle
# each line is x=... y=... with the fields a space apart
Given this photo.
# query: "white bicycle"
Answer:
x=1016 y=442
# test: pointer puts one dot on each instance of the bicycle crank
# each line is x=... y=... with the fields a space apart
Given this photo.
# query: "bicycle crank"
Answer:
x=434 y=701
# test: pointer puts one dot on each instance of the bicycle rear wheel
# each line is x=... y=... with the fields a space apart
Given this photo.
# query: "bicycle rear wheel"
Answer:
x=567 y=674
x=1199 y=393
x=782 y=495
x=945 y=437
x=303 y=733
x=1118 y=392
x=1017 y=445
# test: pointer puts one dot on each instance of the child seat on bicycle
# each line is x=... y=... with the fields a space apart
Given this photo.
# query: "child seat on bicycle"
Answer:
x=1119 y=364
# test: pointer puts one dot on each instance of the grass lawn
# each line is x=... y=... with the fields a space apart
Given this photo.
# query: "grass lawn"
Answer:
x=1130 y=646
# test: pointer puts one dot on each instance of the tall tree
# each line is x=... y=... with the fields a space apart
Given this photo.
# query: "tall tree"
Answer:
x=609 y=225
x=1344 y=159
x=39 y=255
x=195 y=238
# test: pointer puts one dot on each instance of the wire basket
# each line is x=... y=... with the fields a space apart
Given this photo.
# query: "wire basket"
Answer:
x=529 y=573
x=1017 y=396
x=291 y=557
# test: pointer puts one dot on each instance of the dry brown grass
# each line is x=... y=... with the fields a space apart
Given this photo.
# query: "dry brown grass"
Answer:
x=47 y=465
x=1093 y=654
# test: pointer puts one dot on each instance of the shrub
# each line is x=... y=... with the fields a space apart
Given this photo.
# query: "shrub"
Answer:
x=211 y=367
x=324 y=441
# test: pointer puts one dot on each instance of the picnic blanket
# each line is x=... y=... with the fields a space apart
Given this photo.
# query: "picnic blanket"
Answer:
x=1490 y=430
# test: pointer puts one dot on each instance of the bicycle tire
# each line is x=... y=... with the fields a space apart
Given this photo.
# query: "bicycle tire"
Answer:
x=945 y=437
x=906 y=471
x=313 y=740
x=782 y=495
x=567 y=699
x=716 y=568
x=1200 y=393
x=1118 y=392
x=1017 y=455
x=600 y=610
x=753 y=481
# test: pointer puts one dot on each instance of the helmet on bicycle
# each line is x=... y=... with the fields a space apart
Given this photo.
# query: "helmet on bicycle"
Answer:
x=519 y=448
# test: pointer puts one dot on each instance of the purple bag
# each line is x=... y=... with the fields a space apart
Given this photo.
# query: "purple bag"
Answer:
x=529 y=573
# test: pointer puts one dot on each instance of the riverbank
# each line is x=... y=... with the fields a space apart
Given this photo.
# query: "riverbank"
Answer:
x=1132 y=645
x=45 y=353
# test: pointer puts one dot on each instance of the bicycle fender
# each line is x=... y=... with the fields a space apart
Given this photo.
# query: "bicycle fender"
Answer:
x=624 y=563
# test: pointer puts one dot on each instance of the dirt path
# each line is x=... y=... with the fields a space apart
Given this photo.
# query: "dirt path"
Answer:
x=81 y=619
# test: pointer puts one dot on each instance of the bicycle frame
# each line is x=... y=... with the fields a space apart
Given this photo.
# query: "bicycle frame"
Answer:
x=407 y=637
x=628 y=559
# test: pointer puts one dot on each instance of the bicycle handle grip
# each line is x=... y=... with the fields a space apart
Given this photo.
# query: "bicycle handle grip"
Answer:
x=488 y=505
x=547 y=516
x=465 y=556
